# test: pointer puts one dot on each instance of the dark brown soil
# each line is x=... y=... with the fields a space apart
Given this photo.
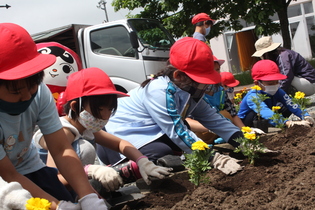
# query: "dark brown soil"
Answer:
x=285 y=181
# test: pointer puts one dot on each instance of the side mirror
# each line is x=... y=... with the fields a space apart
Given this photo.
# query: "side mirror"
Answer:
x=134 y=40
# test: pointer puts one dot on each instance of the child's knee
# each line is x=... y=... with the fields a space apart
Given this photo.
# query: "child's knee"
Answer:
x=87 y=153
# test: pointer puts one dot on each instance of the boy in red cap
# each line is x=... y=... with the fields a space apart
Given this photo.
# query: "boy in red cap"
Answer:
x=153 y=117
x=203 y=24
x=25 y=102
x=266 y=75
x=88 y=107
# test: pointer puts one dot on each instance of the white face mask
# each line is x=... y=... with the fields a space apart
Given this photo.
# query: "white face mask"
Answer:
x=90 y=122
x=271 y=89
x=208 y=30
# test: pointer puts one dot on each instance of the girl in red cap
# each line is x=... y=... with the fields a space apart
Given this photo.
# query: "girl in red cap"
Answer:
x=266 y=75
x=153 y=117
x=88 y=107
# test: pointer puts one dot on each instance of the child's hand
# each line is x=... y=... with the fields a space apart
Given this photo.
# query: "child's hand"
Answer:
x=108 y=176
x=302 y=122
x=148 y=168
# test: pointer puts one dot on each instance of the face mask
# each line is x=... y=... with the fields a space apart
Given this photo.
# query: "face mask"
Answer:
x=90 y=122
x=271 y=89
x=208 y=30
x=15 y=108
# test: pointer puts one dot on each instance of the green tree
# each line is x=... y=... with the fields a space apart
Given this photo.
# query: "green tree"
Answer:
x=176 y=15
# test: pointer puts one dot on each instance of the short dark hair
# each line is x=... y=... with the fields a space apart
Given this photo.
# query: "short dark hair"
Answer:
x=201 y=23
x=31 y=81
x=95 y=102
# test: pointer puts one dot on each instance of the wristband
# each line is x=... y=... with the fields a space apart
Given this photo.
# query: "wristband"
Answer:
x=86 y=169
x=140 y=158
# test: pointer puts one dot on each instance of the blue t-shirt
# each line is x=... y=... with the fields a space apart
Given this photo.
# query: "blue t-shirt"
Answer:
x=16 y=131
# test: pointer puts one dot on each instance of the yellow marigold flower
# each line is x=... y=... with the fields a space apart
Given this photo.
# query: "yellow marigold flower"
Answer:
x=246 y=129
x=37 y=204
x=256 y=87
x=238 y=95
x=251 y=136
x=299 y=95
x=199 y=145
x=275 y=108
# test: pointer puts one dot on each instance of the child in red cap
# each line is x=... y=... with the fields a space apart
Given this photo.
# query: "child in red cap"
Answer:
x=266 y=75
x=88 y=107
x=217 y=97
x=25 y=102
x=203 y=24
x=153 y=117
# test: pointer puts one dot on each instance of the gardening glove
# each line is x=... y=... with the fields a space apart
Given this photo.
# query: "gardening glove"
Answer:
x=257 y=130
x=302 y=122
x=226 y=164
x=92 y=202
x=310 y=120
x=148 y=168
x=67 y=205
x=12 y=195
x=270 y=152
x=219 y=141
x=108 y=176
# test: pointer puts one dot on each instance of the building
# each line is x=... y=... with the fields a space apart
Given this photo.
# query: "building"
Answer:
x=237 y=47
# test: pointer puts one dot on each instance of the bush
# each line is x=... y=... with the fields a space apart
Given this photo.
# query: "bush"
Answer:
x=244 y=77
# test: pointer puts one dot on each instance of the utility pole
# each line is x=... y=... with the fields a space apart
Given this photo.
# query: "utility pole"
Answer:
x=6 y=6
x=102 y=5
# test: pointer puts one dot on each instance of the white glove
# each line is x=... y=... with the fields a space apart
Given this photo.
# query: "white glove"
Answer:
x=108 y=176
x=302 y=122
x=67 y=205
x=12 y=195
x=310 y=120
x=148 y=168
x=226 y=164
x=92 y=202
x=257 y=130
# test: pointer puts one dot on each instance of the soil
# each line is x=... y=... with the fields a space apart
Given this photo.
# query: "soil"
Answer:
x=284 y=181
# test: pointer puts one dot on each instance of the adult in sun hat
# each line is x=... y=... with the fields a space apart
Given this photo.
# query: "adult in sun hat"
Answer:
x=300 y=74
x=88 y=107
x=203 y=24
x=153 y=117
x=266 y=76
x=25 y=102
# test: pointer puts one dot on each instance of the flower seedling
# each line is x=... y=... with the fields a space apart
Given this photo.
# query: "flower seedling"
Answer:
x=249 y=145
x=299 y=99
x=198 y=163
x=258 y=99
x=277 y=118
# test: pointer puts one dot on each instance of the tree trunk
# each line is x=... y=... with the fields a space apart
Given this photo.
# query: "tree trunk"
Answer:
x=284 y=24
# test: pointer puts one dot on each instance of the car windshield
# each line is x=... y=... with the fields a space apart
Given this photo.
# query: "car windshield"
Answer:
x=152 y=34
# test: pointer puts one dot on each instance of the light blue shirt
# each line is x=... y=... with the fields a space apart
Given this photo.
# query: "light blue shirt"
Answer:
x=16 y=131
x=158 y=109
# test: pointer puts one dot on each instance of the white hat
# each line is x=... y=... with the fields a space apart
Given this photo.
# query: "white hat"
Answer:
x=263 y=45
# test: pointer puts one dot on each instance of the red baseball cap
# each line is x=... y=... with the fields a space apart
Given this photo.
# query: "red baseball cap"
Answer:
x=195 y=58
x=19 y=56
x=201 y=17
x=266 y=70
x=90 y=82
x=220 y=61
x=228 y=79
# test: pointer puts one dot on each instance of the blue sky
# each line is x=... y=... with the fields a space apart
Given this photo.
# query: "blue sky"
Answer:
x=40 y=15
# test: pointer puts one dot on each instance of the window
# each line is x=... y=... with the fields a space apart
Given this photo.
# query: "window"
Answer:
x=294 y=10
x=308 y=7
x=112 y=41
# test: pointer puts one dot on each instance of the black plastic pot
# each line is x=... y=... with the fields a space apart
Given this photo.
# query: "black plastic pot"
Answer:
x=262 y=124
